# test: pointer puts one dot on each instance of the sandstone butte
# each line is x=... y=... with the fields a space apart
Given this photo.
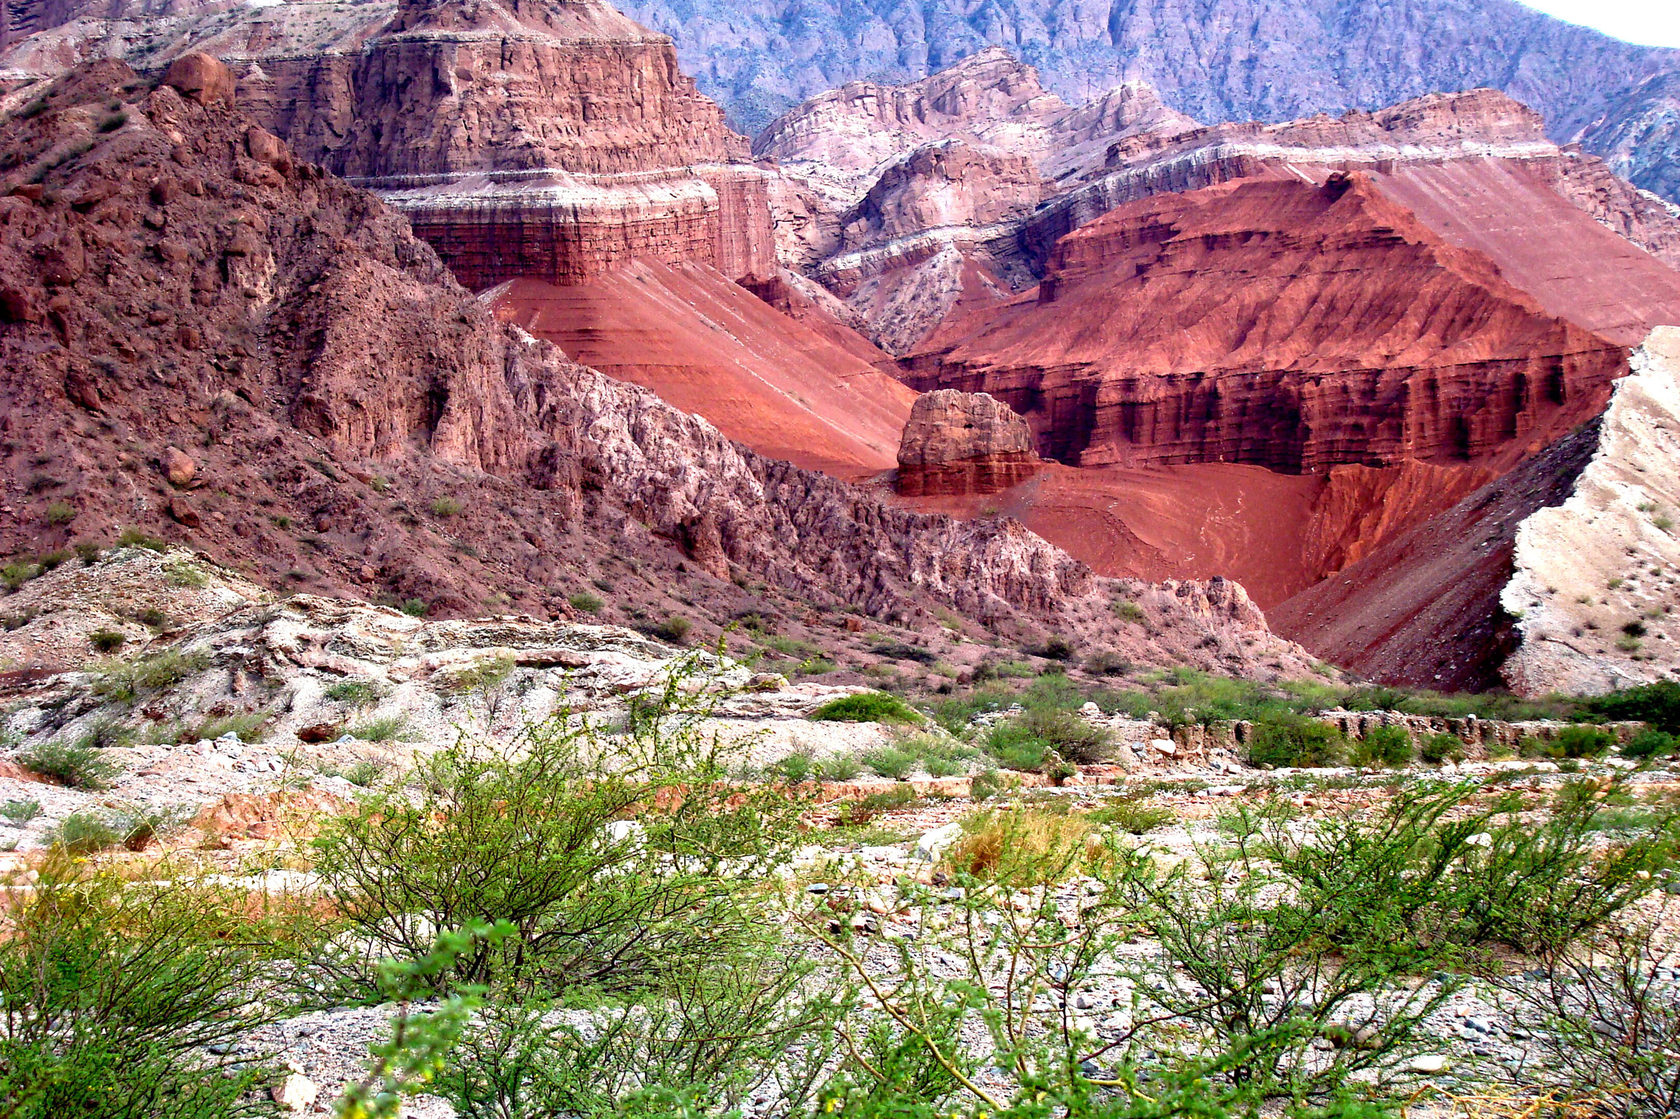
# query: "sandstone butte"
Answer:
x=359 y=423
x=960 y=443
x=1280 y=378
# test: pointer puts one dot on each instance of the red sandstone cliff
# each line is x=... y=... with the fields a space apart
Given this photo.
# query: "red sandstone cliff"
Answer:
x=1283 y=324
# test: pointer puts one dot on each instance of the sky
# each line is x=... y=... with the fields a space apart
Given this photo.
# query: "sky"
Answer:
x=1656 y=22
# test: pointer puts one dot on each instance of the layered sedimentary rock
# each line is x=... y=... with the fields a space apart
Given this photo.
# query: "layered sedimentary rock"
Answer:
x=549 y=138
x=357 y=420
x=552 y=138
x=842 y=137
x=1284 y=324
x=1434 y=135
x=1593 y=589
x=910 y=196
x=1476 y=167
x=963 y=444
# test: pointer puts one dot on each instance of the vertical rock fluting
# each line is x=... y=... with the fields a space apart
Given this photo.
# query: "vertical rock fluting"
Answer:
x=963 y=444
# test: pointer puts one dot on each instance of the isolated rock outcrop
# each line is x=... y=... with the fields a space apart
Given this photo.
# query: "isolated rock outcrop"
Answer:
x=960 y=443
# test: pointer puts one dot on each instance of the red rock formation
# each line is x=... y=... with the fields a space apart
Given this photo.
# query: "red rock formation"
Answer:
x=552 y=138
x=963 y=444
x=1418 y=137
x=332 y=385
x=1283 y=324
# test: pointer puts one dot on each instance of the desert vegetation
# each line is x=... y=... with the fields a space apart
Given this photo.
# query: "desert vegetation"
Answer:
x=600 y=918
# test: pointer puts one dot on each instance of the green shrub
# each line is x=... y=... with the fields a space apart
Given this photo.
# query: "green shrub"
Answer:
x=1053 y=648
x=107 y=641
x=134 y=538
x=1134 y=815
x=446 y=506
x=1651 y=744
x=1129 y=612
x=587 y=603
x=386 y=729
x=866 y=707
x=890 y=762
x=123 y=1000
x=842 y=767
x=113 y=122
x=1383 y=746
x=363 y=774
x=86 y=833
x=60 y=513
x=530 y=831
x=797 y=768
x=126 y=681
x=1438 y=748
x=1294 y=740
x=415 y=607
x=78 y=765
x=351 y=691
x=673 y=629
x=1657 y=704
x=873 y=805
x=1581 y=742
x=1107 y=664
x=20 y=812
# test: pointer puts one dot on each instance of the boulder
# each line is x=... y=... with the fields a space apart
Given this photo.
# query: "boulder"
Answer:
x=202 y=78
x=177 y=466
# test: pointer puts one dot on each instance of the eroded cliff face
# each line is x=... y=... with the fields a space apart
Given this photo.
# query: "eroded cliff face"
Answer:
x=331 y=410
x=1284 y=324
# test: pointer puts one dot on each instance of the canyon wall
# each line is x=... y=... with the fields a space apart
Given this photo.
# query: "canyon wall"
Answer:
x=1285 y=324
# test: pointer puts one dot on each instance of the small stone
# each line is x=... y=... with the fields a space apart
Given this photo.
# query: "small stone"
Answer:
x=178 y=467
x=1428 y=1063
x=296 y=1093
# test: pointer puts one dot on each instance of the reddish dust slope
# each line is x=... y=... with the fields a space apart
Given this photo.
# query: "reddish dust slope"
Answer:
x=708 y=346
x=1276 y=534
x=1550 y=248
x=1423 y=609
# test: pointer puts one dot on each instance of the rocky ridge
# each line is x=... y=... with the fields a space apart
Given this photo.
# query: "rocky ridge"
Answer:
x=955 y=222
x=333 y=410
x=554 y=138
x=1593 y=587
